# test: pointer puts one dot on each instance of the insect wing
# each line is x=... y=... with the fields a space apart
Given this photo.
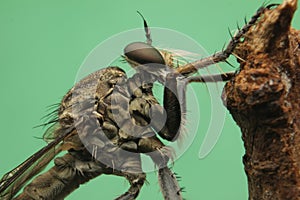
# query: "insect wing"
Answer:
x=14 y=180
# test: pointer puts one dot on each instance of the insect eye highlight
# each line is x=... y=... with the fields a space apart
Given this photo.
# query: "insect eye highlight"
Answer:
x=142 y=53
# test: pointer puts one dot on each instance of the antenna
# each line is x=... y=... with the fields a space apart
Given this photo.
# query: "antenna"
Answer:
x=147 y=29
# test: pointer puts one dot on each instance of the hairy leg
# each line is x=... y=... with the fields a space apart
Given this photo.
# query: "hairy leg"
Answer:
x=136 y=181
x=67 y=175
x=160 y=155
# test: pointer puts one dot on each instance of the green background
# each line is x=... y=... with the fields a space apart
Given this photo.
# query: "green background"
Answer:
x=42 y=45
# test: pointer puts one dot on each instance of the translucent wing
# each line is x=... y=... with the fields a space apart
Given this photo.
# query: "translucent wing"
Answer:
x=14 y=180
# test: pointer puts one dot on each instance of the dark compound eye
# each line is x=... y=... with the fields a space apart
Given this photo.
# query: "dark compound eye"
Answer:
x=143 y=53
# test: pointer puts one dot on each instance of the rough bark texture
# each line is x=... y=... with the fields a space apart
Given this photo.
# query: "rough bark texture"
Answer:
x=264 y=100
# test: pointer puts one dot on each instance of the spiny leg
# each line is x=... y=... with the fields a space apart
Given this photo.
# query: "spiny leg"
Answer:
x=167 y=120
x=136 y=182
x=129 y=166
x=212 y=78
x=221 y=56
x=153 y=147
x=68 y=173
x=169 y=184
x=160 y=154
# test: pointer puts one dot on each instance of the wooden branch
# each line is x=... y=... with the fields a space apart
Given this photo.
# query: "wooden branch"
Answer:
x=264 y=100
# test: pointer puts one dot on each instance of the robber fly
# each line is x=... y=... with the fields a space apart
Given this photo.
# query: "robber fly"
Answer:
x=107 y=120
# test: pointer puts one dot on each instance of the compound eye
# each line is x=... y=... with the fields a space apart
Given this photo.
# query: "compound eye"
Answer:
x=143 y=53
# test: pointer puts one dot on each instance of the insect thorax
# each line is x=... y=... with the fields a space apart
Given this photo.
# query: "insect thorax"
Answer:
x=111 y=107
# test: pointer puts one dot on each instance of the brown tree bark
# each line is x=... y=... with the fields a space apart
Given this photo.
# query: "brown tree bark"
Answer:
x=264 y=100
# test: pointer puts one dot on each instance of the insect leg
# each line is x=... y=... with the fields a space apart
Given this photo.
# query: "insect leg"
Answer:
x=153 y=147
x=221 y=56
x=212 y=78
x=14 y=180
x=136 y=181
x=167 y=120
x=169 y=184
x=130 y=168
x=160 y=155
x=67 y=174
